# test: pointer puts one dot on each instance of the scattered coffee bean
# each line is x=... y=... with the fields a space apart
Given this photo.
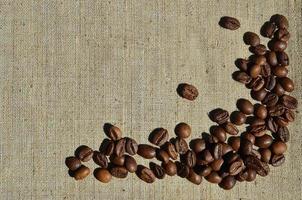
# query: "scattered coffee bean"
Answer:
x=120 y=147
x=289 y=115
x=119 y=171
x=282 y=134
x=246 y=147
x=260 y=167
x=159 y=136
x=130 y=164
x=278 y=90
x=205 y=170
x=277 y=45
x=289 y=102
x=181 y=146
x=146 y=151
x=230 y=23
x=103 y=175
x=194 y=178
x=131 y=146
x=73 y=163
x=251 y=38
x=187 y=91
x=230 y=128
x=259 y=49
x=145 y=174
x=245 y=106
x=81 y=173
x=258 y=95
x=170 y=168
x=206 y=156
x=100 y=159
x=266 y=70
x=117 y=160
x=270 y=83
x=183 y=170
x=197 y=145
x=241 y=77
x=277 y=160
x=182 y=130
x=280 y=21
x=260 y=111
x=84 y=153
x=264 y=141
x=242 y=176
x=283 y=59
x=113 y=132
x=107 y=147
x=234 y=142
x=228 y=182
x=190 y=158
x=276 y=110
x=254 y=71
x=282 y=34
x=242 y=64
x=162 y=155
x=217 y=164
x=272 y=125
x=280 y=71
x=265 y=155
x=287 y=84
x=278 y=147
x=236 y=167
x=170 y=149
x=251 y=175
x=219 y=133
x=213 y=177
x=238 y=118
x=271 y=58
x=268 y=29
x=157 y=170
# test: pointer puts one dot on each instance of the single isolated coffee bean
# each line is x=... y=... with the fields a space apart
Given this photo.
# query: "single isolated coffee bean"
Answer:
x=120 y=147
x=159 y=136
x=251 y=38
x=238 y=118
x=245 y=106
x=194 y=178
x=102 y=175
x=73 y=163
x=158 y=171
x=268 y=29
x=187 y=91
x=182 y=130
x=131 y=146
x=280 y=21
x=81 y=173
x=197 y=145
x=162 y=155
x=228 y=182
x=84 y=153
x=242 y=64
x=234 y=142
x=241 y=77
x=100 y=159
x=119 y=171
x=230 y=128
x=219 y=133
x=145 y=174
x=230 y=23
x=277 y=160
x=170 y=149
x=146 y=151
x=130 y=164
x=170 y=168
x=219 y=115
x=113 y=132
x=282 y=34
x=181 y=146
x=278 y=147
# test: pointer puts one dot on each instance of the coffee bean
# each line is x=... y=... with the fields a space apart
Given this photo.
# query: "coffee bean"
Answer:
x=276 y=110
x=251 y=175
x=277 y=160
x=197 y=145
x=260 y=111
x=271 y=58
x=102 y=175
x=170 y=149
x=100 y=159
x=190 y=158
x=277 y=45
x=230 y=23
x=226 y=148
x=73 y=163
x=254 y=70
x=84 y=153
x=219 y=115
x=117 y=160
x=256 y=83
x=113 y=132
x=213 y=177
x=283 y=59
x=280 y=21
x=270 y=100
x=217 y=164
x=187 y=91
x=162 y=155
x=253 y=162
x=259 y=49
x=218 y=151
x=242 y=176
x=268 y=29
x=258 y=130
x=181 y=146
x=289 y=115
x=248 y=136
x=157 y=170
x=258 y=95
x=234 y=142
x=230 y=128
x=282 y=34
x=278 y=90
x=159 y=136
x=256 y=154
x=287 y=84
x=212 y=139
x=228 y=182
x=146 y=151
x=280 y=71
x=272 y=125
x=194 y=178
x=183 y=170
x=282 y=134
x=265 y=155
x=205 y=170
x=264 y=141
x=131 y=146
x=246 y=147
x=230 y=157
x=107 y=147
x=266 y=70
x=145 y=174
x=257 y=121
x=238 y=118
x=270 y=82
x=242 y=64
x=236 y=167
x=281 y=121
x=81 y=173
x=241 y=77
x=251 y=38
x=130 y=164
x=118 y=171
x=245 y=106
x=257 y=59
x=170 y=168
x=182 y=130
x=289 y=102
x=120 y=147
x=206 y=156
x=278 y=147
x=219 y=133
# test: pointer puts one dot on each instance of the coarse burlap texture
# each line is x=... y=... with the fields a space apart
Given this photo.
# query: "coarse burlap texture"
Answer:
x=69 y=66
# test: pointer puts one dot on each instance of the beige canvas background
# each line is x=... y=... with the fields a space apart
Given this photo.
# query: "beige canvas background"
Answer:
x=69 y=66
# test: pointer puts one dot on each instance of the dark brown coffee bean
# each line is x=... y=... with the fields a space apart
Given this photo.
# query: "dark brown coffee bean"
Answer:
x=271 y=58
x=289 y=115
x=270 y=100
x=73 y=163
x=100 y=159
x=162 y=155
x=278 y=147
x=248 y=136
x=182 y=130
x=194 y=178
x=190 y=158
x=246 y=147
x=182 y=169
x=230 y=23
x=257 y=122
x=289 y=102
x=206 y=156
x=212 y=139
x=131 y=146
x=107 y=147
x=159 y=136
x=238 y=118
x=272 y=125
x=264 y=141
x=282 y=34
x=120 y=147
x=276 y=110
x=260 y=111
x=280 y=71
x=218 y=151
x=257 y=59
x=81 y=173
x=205 y=170
x=230 y=128
x=145 y=174
x=102 y=175
x=146 y=151
x=266 y=70
x=277 y=45
x=282 y=134
x=181 y=146
x=283 y=59
x=226 y=148
x=117 y=160
x=170 y=168
x=287 y=84
x=158 y=171
x=242 y=176
x=187 y=91
x=258 y=95
x=236 y=167
x=253 y=162
x=277 y=160
x=234 y=142
x=278 y=90
x=170 y=149
x=241 y=77
x=256 y=154
x=230 y=157
x=118 y=171
x=251 y=175
x=258 y=130
x=228 y=182
x=197 y=145
x=245 y=106
x=259 y=49
x=219 y=133
x=268 y=29
x=213 y=177
x=265 y=155
x=130 y=164
x=256 y=83
x=281 y=121
x=280 y=21
x=84 y=153
x=254 y=71
x=219 y=116
x=217 y=164
x=270 y=82
x=242 y=64
x=113 y=132
x=251 y=38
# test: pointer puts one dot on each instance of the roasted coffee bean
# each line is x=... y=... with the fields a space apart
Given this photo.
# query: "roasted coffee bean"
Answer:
x=100 y=159
x=228 y=182
x=120 y=147
x=181 y=146
x=259 y=49
x=282 y=134
x=206 y=156
x=256 y=154
x=84 y=153
x=271 y=58
x=276 y=110
x=131 y=146
x=268 y=29
x=270 y=82
x=107 y=147
x=190 y=158
x=241 y=77
x=219 y=115
x=205 y=170
x=287 y=84
x=251 y=175
x=289 y=115
x=242 y=64
x=187 y=91
x=277 y=45
x=145 y=174
x=170 y=168
x=278 y=147
x=264 y=141
x=242 y=176
x=246 y=147
x=265 y=155
x=218 y=151
x=146 y=151
x=251 y=38
x=102 y=175
x=119 y=171
x=212 y=139
x=157 y=170
x=289 y=102
x=217 y=164
x=270 y=100
x=226 y=148
x=277 y=160
x=266 y=70
x=248 y=136
x=258 y=130
x=113 y=132
x=256 y=83
x=230 y=157
x=258 y=95
x=117 y=160
x=272 y=125
x=280 y=21
x=230 y=23
x=81 y=173
x=245 y=106
x=194 y=178
x=162 y=155
x=234 y=142
x=197 y=145
x=282 y=34
x=278 y=90
x=170 y=149
x=73 y=163
x=230 y=128
x=254 y=71
x=213 y=177
x=238 y=118
x=257 y=121
x=219 y=133
x=281 y=121
x=260 y=111
x=257 y=59
x=182 y=130
x=280 y=71
x=183 y=170
x=130 y=164
x=283 y=59
x=236 y=167
x=159 y=136
x=253 y=162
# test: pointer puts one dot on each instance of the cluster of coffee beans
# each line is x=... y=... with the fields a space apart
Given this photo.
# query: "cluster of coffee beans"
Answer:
x=218 y=158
